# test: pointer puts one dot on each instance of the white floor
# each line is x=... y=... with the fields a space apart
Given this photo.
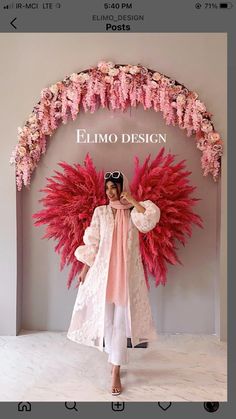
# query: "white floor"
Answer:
x=47 y=366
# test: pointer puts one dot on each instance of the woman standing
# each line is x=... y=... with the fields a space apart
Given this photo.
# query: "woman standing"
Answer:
x=112 y=302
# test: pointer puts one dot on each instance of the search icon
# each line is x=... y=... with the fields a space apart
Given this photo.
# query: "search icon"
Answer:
x=71 y=407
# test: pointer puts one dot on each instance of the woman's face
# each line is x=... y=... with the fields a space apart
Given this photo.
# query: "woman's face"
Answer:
x=113 y=190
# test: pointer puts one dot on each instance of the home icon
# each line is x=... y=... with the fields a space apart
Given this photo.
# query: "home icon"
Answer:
x=24 y=407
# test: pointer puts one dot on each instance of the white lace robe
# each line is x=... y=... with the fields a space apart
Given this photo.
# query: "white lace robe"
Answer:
x=87 y=321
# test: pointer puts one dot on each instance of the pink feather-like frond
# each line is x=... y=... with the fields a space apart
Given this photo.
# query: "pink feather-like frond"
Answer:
x=69 y=200
x=165 y=183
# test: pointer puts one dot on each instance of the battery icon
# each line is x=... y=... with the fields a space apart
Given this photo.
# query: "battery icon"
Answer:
x=226 y=5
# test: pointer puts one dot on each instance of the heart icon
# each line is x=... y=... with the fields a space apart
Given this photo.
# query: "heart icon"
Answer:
x=164 y=405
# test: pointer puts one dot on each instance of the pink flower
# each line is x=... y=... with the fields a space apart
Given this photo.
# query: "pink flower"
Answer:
x=83 y=77
x=22 y=151
x=35 y=136
x=54 y=89
x=144 y=71
x=218 y=149
x=58 y=104
x=202 y=144
x=185 y=91
x=46 y=94
x=74 y=77
x=156 y=76
x=200 y=106
x=113 y=72
x=32 y=118
x=177 y=89
x=124 y=68
x=47 y=103
x=104 y=67
x=70 y=94
x=206 y=126
x=193 y=95
x=133 y=85
x=134 y=69
x=165 y=81
x=213 y=137
x=108 y=79
x=154 y=84
x=181 y=100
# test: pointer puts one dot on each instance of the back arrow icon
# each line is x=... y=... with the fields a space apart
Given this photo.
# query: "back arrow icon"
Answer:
x=13 y=24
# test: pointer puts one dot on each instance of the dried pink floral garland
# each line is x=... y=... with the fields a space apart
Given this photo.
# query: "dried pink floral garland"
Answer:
x=115 y=86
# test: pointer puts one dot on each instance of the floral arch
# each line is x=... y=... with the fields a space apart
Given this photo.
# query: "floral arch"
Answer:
x=115 y=86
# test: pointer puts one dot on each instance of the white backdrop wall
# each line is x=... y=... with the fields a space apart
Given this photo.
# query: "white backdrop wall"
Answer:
x=33 y=292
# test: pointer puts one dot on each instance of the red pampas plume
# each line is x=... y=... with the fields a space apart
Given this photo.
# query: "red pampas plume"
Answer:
x=69 y=204
x=71 y=198
x=167 y=185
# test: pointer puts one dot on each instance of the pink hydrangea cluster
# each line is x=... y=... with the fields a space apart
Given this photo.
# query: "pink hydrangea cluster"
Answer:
x=115 y=86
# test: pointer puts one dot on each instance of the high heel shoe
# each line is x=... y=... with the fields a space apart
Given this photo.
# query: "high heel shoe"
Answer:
x=115 y=391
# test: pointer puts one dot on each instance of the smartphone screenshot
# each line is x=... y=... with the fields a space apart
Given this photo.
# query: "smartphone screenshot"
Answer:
x=117 y=199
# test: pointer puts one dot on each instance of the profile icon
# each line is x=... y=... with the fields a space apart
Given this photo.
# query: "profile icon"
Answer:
x=211 y=406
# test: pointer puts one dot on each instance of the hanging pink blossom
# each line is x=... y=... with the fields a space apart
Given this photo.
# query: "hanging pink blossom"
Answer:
x=114 y=86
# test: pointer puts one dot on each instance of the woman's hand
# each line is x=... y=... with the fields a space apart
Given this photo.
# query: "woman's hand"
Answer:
x=133 y=201
x=127 y=196
x=82 y=275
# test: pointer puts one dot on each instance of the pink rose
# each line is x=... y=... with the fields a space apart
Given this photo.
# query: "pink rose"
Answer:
x=104 y=67
x=134 y=69
x=35 y=136
x=74 y=77
x=108 y=79
x=181 y=100
x=113 y=72
x=200 y=106
x=193 y=95
x=32 y=118
x=185 y=91
x=82 y=77
x=177 y=89
x=54 y=89
x=144 y=70
x=156 y=76
x=218 y=149
x=22 y=151
x=58 y=104
x=47 y=102
x=213 y=137
x=206 y=126
x=124 y=68
x=165 y=81
x=153 y=83
x=46 y=94
x=202 y=144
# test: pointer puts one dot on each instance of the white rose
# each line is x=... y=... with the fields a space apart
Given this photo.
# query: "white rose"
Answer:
x=82 y=77
x=54 y=89
x=134 y=69
x=113 y=72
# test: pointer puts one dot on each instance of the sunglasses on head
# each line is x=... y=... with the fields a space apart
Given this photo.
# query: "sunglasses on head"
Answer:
x=114 y=175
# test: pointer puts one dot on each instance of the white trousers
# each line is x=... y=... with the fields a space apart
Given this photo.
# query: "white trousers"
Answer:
x=117 y=329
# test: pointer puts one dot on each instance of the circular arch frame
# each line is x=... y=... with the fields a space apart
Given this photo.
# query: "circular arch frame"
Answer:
x=115 y=86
